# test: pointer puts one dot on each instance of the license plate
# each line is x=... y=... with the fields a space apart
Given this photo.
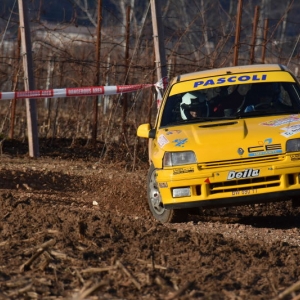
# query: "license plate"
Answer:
x=244 y=192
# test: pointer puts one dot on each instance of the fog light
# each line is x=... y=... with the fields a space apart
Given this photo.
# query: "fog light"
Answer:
x=181 y=192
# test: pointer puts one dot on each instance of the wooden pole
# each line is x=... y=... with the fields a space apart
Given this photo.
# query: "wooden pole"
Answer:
x=237 y=33
x=97 y=79
x=159 y=49
x=125 y=99
x=151 y=94
x=158 y=37
x=263 y=53
x=255 y=22
x=14 y=86
x=28 y=79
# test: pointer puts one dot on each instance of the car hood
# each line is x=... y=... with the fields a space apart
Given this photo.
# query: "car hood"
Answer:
x=231 y=139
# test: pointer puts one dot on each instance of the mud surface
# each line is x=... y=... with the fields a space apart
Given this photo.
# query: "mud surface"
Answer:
x=76 y=227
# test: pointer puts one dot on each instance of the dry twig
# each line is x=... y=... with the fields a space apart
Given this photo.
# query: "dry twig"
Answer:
x=98 y=270
x=87 y=292
x=180 y=291
x=150 y=265
x=40 y=250
x=293 y=288
x=79 y=276
x=134 y=281
x=21 y=291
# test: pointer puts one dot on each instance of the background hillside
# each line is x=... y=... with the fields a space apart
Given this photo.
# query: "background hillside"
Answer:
x=58 y=11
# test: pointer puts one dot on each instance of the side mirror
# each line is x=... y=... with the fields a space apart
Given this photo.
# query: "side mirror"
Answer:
x=145 y=131
x=152 y=133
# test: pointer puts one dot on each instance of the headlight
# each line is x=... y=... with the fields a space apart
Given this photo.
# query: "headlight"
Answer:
x=293 y=145
x=179 y=158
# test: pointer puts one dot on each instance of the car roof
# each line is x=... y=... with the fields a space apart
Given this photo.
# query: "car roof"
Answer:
x=230 y=70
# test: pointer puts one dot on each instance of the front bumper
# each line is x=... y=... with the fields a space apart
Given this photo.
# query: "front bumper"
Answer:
x=253 y=184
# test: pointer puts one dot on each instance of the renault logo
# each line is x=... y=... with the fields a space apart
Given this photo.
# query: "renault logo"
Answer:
x=240 y=151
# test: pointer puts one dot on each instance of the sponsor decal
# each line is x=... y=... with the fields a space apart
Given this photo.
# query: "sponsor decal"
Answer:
x=264 y=148
x=248 y=173
x=183 y=170
x=281 y=121
x=295 y=157
x=173 y=131
x=230 y=79
x=180 y=142
x=291 y=130
x=162 y=140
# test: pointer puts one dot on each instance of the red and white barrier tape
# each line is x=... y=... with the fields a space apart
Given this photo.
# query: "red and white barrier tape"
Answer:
x=83 y=91
x=73 y=92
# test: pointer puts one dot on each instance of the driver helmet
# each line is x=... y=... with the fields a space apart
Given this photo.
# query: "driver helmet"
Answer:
x=193 y=102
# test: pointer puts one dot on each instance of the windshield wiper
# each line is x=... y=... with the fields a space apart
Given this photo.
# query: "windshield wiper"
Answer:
x=201 y=119
x=261 y=113
x=195 y=120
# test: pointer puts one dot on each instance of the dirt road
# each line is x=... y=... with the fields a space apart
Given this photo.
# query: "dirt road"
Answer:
x=73 y=227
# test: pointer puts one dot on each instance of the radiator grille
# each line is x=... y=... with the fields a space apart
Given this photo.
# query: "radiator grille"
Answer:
x=244 y=184
x=241 y=162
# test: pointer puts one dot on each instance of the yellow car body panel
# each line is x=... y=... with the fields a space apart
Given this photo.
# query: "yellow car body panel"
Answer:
x=244 y=158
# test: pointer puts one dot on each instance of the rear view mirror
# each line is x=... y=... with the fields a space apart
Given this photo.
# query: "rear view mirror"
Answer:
x=145 y=131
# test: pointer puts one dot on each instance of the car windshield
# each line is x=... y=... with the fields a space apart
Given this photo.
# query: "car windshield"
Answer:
x=231 y=102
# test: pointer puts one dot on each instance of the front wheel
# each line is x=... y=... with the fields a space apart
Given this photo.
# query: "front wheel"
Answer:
x=155 y=202
x=295 y=202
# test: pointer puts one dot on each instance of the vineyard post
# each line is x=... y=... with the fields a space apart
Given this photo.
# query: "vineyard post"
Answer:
x=97 y=79
x=255 y=22
x=237 y=33
x=31 y=114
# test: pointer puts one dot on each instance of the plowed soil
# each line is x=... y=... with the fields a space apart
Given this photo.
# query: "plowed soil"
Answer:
x=73 y=226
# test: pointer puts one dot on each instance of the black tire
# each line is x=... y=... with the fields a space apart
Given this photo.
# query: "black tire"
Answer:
x=155 y=203
x=295 y=202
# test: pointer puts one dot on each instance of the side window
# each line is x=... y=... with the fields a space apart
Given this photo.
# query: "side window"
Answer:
x=171 y=111
x=290 y=95
x=285 y=97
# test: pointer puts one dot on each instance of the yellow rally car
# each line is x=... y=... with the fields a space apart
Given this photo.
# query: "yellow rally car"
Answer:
x=226 y=136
